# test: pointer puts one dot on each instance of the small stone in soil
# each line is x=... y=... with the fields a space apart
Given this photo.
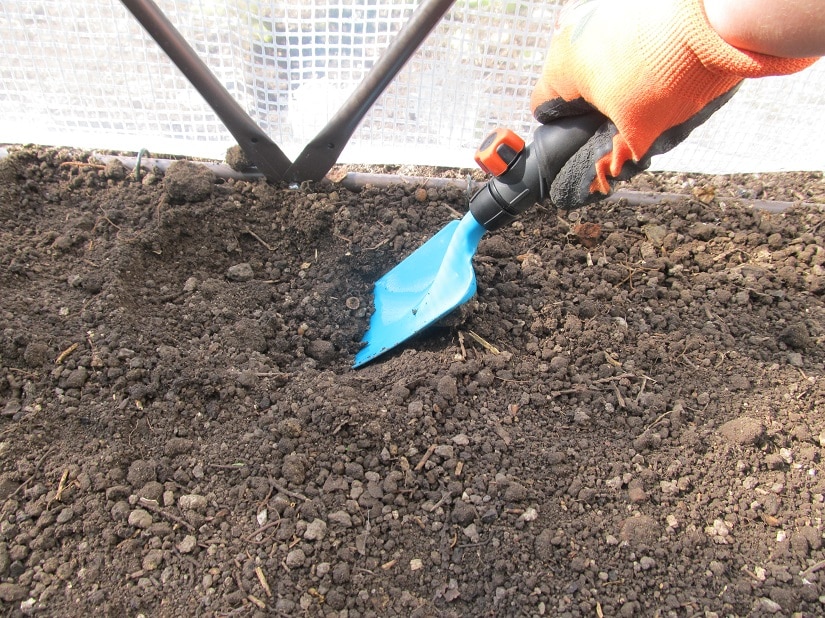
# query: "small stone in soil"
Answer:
x=295 y=558
x=140 y=518
x=152 y=560
x=192 y=502
x=188 y=544
x=240 y=272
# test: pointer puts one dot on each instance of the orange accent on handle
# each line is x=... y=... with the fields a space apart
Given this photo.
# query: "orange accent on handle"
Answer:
x=498 y=151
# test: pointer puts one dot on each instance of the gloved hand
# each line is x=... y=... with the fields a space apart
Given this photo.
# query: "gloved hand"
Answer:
x=655 y=68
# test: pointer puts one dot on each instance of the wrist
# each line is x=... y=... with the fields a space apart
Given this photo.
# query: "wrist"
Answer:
x=782 y=28
x=701 y=19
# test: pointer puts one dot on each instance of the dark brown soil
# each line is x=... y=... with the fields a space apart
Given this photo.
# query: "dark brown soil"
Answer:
x=633 y=428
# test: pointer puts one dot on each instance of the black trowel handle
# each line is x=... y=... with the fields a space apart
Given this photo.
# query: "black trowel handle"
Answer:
x=528 y=177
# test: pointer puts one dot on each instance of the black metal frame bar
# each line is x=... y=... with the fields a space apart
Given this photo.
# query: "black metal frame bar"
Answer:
x=322 y=152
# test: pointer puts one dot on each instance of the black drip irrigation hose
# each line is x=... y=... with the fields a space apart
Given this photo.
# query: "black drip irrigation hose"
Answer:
x=357 y=181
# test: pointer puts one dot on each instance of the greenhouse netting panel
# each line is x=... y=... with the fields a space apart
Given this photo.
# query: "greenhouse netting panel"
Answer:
x=85 y=74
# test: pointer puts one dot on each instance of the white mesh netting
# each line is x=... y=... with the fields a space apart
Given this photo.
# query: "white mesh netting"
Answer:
x=85 y=74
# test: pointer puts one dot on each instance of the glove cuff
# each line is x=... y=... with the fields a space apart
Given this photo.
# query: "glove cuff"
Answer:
x=720 y=57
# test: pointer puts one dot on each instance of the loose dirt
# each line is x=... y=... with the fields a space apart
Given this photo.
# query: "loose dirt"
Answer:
x=628 y=419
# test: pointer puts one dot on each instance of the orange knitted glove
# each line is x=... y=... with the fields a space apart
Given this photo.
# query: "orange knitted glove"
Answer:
x=655 y=68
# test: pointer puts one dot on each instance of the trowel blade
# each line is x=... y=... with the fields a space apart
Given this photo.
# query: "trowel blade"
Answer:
x=435 y=279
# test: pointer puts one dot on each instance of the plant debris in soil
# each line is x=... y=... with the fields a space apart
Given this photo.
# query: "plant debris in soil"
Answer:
x=625 y=423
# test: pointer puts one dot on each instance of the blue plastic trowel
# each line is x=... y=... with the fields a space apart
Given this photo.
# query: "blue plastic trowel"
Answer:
x=438 y=276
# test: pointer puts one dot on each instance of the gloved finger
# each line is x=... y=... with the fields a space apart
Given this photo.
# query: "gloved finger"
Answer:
x=675 y=135
x=548 y=105
x=552 y=109
x=590 y=174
